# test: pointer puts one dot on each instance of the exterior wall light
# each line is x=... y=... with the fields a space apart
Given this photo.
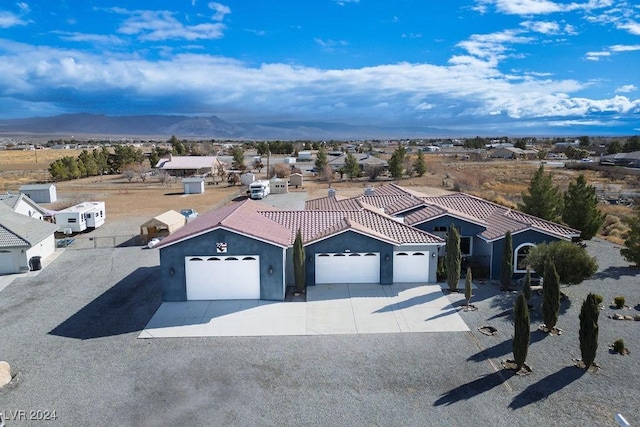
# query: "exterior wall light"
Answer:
x=270 y=269
x=386 y=257
x=171 y=271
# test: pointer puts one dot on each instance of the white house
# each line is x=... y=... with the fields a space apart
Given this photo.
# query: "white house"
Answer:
x=23 y=205
x=21 y=239
x=40 y=193
x=80 y=217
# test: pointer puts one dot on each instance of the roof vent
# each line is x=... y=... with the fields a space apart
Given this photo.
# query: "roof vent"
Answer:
x=369 y=191
x=332 y=192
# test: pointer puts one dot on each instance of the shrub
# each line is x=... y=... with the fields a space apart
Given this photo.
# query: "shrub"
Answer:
x=618 y=346
x=599 y=299
x=573 y=263
x=619 y=302
x=441 y=272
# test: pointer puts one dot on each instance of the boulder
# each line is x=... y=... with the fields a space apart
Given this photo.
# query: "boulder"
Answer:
x=5 y=373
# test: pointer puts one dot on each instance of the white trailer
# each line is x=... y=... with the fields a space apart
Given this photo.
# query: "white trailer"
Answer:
x=80 y=217
x=290 y=160
x=259 y=189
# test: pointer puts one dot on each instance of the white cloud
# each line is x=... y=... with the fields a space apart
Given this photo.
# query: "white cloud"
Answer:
x=330 y=45
x=220 y=10
x=596 y=56
x=162 y=25
x=24 y=7
x=626 y=89
x=343 y=2
x=543 y=27
x=90 y=38
x=8 y=20
x=624 y=47
x=538 y=7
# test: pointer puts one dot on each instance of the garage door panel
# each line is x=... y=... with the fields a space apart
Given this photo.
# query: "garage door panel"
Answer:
x=411 y=267
x=354 y=267
x=218 y=278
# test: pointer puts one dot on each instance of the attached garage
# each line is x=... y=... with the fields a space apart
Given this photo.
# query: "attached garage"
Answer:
x=411 y=267
x=222 y=277
x=7 y=262
x=362 y=267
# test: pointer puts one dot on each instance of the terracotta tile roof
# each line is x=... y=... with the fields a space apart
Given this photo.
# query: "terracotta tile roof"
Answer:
x=243 y=217
x=332 y=203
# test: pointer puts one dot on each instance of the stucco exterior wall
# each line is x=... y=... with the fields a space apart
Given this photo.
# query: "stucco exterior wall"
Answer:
x=529 y=236
x=272 y=285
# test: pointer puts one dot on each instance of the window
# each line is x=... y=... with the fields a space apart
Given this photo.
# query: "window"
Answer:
x=521 y=253
x=71 y=220
x=440 y=229
x=465 y=246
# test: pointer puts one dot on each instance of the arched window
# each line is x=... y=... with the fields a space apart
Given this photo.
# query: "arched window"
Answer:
x=520 y=254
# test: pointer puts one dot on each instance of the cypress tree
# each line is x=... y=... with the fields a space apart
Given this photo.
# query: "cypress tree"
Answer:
x=631 y=251
x=298 y=262
x=452 y=258
x=467 y=287
x=507 y=262
x=589 y=330
x=550 y=296
x=581 y=208
x=526 y=288
x=543 y=200
x=521 y=331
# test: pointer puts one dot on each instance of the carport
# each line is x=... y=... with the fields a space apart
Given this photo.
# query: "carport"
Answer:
x=162 y=225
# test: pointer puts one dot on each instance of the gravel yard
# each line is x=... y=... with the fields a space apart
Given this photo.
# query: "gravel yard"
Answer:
x=70 y=335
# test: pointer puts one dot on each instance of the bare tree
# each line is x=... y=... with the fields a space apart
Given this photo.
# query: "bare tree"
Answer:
x=142 y=171
x=374 y=171
x=129 y=172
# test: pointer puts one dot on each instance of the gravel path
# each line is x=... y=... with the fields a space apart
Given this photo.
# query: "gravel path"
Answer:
x=70 y=336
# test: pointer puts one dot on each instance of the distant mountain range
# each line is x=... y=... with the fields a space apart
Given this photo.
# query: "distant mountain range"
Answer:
x=205 y=127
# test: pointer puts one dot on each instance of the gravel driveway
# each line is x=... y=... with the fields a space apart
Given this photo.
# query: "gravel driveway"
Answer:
x=70 y=334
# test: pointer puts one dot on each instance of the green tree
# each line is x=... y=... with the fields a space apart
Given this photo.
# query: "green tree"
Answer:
x=632 y=144
x=238 y=158
x=419 y=165
x=581 y=208
x=298 y=262
x=584 y=141
x=572 y=262
x=452 y=258
x=526 y=287
x=321 y=160
x=522 y=331
x=543 y=199
x=154 y=157
x=58 y=171
x=396 y=163
x=589 y=330
x=521 y=144
x=614 y=147
x=506 y=272
x=262 y=148
x=631 y=250
x=467 y=287
x=177 y=146
x=351 y=166
x=102 y=160
x=550 y=296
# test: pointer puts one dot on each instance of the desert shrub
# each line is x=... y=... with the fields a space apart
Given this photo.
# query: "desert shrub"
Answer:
x=573 y=263
x=619 y=302
x=478 y=270
x=599 y=299
x=441 y=272
x=618 y=346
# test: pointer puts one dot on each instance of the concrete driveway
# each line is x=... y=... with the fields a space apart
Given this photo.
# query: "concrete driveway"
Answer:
x=329 y=310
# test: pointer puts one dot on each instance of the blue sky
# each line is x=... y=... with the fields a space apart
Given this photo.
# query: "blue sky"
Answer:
x=495 y=66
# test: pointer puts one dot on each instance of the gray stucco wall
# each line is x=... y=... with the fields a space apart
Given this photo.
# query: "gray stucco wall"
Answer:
x=354 y=242
x=466 y=228
x=173 y=257
x=529 y=236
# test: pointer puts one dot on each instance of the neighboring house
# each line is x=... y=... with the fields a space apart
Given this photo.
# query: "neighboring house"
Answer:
x=513 y=153
x=245 y=251
x=622 y=159
x=22 y=238
x=162 y=225
x=364 y=160
x=482 y=224
x=22 y=204
x=40 y=193
x=188 y=165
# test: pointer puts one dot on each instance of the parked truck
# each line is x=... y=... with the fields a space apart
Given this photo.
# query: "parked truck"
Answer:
x=259 y=189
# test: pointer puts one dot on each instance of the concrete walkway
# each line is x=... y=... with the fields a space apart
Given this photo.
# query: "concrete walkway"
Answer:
x=330 y=309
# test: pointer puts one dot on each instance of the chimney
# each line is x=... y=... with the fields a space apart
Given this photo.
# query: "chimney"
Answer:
x=332 y=192
x=369 y=191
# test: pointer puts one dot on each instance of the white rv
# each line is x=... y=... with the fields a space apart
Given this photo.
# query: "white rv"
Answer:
x=80 y=217
x=259 y=189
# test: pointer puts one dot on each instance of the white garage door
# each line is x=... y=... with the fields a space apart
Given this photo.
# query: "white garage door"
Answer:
x=223 y=277
x=348 y=267
x=7 y=262
x=411 y=267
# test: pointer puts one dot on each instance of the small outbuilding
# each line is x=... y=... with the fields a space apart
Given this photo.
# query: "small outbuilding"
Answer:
x=279 y=186
x=296 y=180
x=193 y=185
x=40 y=193
x=162 y=225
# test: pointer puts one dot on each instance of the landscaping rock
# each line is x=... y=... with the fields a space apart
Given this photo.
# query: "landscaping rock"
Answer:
x=5 y=373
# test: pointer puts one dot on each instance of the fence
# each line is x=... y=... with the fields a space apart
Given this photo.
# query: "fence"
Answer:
x=106 y=242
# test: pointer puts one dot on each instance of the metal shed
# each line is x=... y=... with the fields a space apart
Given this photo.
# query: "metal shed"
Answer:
x=279 y=186
x=162 y=225
x=193 y=185
x=40 y=193
x=296 y=180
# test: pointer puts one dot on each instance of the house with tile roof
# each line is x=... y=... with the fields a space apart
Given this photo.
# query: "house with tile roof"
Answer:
x=482 y=224
x=245 y=251
x=22 y=204
x=21 y=238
